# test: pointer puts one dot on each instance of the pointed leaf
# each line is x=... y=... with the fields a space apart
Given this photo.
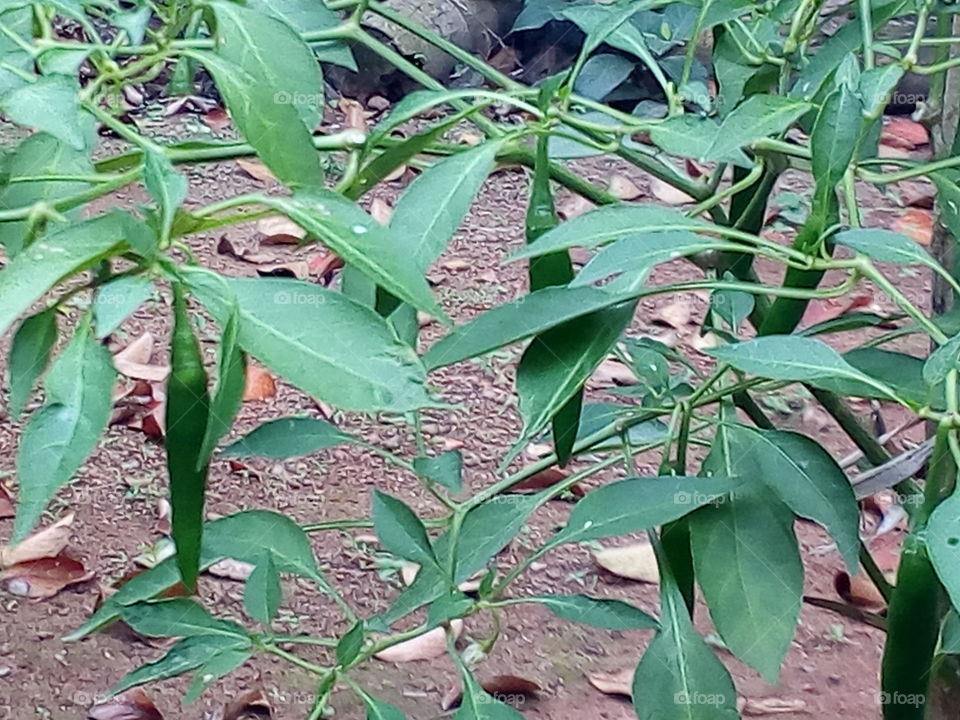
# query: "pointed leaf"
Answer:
x=400 y=531
x=177 y=617
x=29 y=356
x=598 y=612
x=288 y=437
x=60 y=436
x=262 y=594
x=757 y=117
x=116 y=300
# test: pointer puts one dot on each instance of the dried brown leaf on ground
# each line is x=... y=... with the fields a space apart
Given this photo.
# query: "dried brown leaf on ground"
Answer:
x=231 y=569
x=381 y=211
x=858 y=590
x=771 y=706
x=354 y=116
x=324 y=263
x=510 y=689
x=7 y=509
x=134 y=361
x=821 y=310
x=423 y=647
x=131 y=705
x=572 y=206
x=675 y=314
x=667 y=193
x=44 y=577
x=613 y=372
x=624 y=188
x=260 y=384
x=298 y=269
x=217 y=119
x=634 y=562
x=253 y=704
x=256 y=169
x=278 y=230
x=544 y=479
x=618 y=682
x=225 y=246
x=45 y=543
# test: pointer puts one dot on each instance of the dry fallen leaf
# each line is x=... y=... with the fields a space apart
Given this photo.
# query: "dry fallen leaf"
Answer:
x=381 y=211
x=409 y=572
x=217 y=119
x=667 y=193
x=624 y=188
x=619 y=682
x=771 y=706
x=858 y=590
x=544 y=479
x=573 y=206
x=820 y=310
x=253 y=704
x=634 y=562
x=132 y=705
x=299 y=269
x=354 y=114
x=43 y=577
x=164 y=513
x=918 y=194
x=503 y=687
x=279 y=230
x=134 y=360
x=229 y=569
x=423 y=647
x=225 y=246
x=675 y=314
x=613 y=372
x=256 y=169
x=323 y=263
x=260 y=384
x=6 y=504
x=45 y=543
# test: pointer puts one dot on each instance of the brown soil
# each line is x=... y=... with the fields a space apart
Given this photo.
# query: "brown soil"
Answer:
x=832 y=666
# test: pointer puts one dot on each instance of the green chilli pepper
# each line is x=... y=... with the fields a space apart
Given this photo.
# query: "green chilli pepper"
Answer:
x=188 y=410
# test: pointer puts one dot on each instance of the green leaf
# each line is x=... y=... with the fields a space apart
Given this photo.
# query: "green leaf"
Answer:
x=275 y=129
x=747 y=563
x=30 y=105
x=806 y=478
x=38 y=155
x=609 y=223
x=116 y=300
x=221 y=664
x=692 y=136
x=757 y=117
x=271 y=51
x=187 y=416
x=834 y=139
x=557 y=364
x=288 y=437
x=634 y=257
x=379 y=710
x=60 y=436
x=29 y=356
x=444 y=469
x=362 y=242
x=639 y=503
x=679 y=677
x=602 y=74
x=18 y=23
x=134 y=22
x=351 y=644
x=943 y=545
x=54 y=257
x=262 y=594
x=306 y=16
x=886 y=246
x=487 y=529
x=165 y=185
x=478 y=704
x=529 y=315
x=433 y=206
x=245 y=536
x=795 y=358
x=188 y=654
x=598 y=612
x=177 y=617
x=732 y=306
x=900 y=372
x=228 y=393
x=327 y=345
x=400 y=530
x=941 y=361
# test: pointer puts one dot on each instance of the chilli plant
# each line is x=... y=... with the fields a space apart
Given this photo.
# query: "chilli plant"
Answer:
x=784 y=96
